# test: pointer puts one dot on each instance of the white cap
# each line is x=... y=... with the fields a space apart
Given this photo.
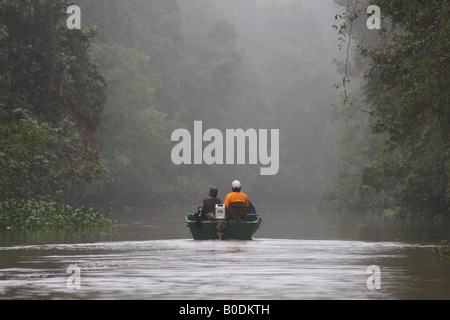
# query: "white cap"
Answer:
x=236 y=184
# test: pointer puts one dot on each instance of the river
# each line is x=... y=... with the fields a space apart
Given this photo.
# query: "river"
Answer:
x=295 y=258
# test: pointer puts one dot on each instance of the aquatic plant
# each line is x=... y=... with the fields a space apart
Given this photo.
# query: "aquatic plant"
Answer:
x=38 y=214
x=443 y=250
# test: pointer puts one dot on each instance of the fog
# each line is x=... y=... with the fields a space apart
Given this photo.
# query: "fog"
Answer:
x=256 y=65
x=154 y=101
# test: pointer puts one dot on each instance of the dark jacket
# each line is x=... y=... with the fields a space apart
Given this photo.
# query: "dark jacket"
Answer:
x=209 y=204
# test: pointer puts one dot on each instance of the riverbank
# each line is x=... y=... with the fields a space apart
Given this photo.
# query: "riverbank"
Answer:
x=37 y=214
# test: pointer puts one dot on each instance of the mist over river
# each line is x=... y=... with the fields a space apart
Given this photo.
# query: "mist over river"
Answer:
x=132 y=107
x=311 y=257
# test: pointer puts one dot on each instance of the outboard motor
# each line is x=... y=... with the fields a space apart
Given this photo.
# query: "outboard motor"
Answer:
x=219 y=215
x=219 y=212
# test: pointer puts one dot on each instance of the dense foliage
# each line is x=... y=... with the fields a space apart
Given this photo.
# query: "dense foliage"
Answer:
x=51 y=101
x=31 y=163
x=405 y=96
x=51 y=104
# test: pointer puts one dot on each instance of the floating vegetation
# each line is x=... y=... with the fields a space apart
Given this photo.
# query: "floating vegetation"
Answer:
x=443 y=250
x=35 y=214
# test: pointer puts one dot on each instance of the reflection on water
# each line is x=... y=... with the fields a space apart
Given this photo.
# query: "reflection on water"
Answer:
x=145 y=261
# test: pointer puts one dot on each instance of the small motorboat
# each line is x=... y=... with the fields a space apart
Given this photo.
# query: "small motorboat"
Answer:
x=222 y=226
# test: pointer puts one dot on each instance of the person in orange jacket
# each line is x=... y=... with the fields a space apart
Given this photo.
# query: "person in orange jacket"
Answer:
x=237 y=196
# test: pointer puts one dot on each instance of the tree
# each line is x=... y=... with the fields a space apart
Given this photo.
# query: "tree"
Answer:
x=50 y=91
x=406 y=91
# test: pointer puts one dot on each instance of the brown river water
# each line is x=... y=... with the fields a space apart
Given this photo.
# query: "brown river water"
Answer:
x=307 y=258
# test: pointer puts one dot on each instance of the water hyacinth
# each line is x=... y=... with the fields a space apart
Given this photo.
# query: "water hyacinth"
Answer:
x=29 y=214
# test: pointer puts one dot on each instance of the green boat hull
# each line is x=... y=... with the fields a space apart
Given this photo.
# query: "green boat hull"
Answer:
x=213 y=230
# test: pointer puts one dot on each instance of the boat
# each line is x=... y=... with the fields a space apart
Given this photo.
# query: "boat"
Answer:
x=218 y=227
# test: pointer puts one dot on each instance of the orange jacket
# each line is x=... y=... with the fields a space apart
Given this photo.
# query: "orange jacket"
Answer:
x=236 y=197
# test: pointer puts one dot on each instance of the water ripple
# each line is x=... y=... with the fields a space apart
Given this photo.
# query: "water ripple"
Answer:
x=187 y=269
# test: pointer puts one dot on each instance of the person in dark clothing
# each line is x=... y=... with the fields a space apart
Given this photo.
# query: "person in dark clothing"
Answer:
x=209 y=203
